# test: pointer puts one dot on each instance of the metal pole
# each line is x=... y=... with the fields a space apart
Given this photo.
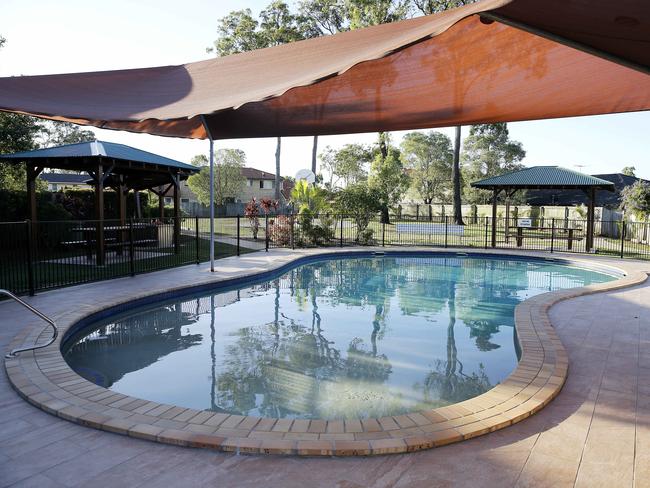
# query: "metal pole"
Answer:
x=266 y=233
x=486 y=232
x=552 y=233
x=622 y=237
x=196 y=232
x=238 y=224
x=131 y=257
x=383 y=234
x=30 y=258
x=446 y=230
x=207 y=131
x=341 y=234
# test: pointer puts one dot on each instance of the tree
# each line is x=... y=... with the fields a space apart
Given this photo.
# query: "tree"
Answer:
x=488 y=151
x=200 y=160
x=635 y=199
x=388 y=179
x=308 y=198
x=359 y=202
x=17 y=133
x=61 y=133
x=629 y=171
x=347 y=164
x=429 y=158
x=240 y=32
x=228 y=178
x=366 y=13
x=322 y=17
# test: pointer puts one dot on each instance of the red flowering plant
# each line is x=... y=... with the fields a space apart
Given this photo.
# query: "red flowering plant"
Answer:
x=252 y=212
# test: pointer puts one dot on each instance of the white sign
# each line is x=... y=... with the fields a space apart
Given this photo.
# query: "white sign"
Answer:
x=525 y=222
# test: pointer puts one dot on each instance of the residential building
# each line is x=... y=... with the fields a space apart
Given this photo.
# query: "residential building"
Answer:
x=66 y=181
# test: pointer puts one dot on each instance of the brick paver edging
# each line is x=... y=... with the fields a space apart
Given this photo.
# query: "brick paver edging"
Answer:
x=44 y=379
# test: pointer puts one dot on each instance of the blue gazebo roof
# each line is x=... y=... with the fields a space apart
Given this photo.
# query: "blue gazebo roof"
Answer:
x=97 y=149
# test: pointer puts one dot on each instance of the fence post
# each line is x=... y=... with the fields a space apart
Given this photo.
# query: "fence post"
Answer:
x=238 y=234
x=341 y=233
x=552 y=234
x=417 y=211
x=383 y=234
x=622 y=238
x=196 y=232
x=131 y=257
x=446 y=230
x=486 y=232
x=266 y=233
x=30 y=258
x=292 y=237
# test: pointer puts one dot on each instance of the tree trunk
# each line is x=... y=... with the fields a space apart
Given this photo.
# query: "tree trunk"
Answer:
x=277 y=169
x=455 y=176
x=314 y=152
x=383 y=146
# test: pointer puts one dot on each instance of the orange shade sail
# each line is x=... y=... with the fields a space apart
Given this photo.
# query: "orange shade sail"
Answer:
x=493 y=61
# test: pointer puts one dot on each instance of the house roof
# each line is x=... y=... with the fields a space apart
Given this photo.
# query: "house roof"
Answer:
x=540 y=177
x=109 y=150
x=256 y=174
x=64 y=178
x=577 y=197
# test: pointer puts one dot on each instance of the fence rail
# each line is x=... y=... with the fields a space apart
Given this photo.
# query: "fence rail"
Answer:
x=43 y=255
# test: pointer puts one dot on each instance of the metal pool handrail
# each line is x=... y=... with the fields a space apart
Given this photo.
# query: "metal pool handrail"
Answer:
x=55 y=330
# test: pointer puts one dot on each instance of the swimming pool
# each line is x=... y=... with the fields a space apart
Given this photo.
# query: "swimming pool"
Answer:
x=336 y=338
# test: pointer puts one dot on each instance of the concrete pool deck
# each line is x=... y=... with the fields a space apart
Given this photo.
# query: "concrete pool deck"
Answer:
x=556 y=445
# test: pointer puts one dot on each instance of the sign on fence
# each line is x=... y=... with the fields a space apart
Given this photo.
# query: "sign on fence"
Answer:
x=525 y=222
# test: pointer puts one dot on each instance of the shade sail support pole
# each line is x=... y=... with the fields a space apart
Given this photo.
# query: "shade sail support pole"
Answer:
x=207 y=131
x=567 y=42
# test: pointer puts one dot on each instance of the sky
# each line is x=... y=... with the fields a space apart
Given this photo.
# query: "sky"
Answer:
x=45 y=37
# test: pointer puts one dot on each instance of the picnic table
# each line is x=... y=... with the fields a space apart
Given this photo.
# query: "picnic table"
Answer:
x=569 y=234
x=115 y=238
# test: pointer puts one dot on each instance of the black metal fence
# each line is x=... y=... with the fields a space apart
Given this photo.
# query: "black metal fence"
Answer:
x=43 y=255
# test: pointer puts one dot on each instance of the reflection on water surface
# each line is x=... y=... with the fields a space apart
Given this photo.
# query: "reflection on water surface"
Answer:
x=338 y=338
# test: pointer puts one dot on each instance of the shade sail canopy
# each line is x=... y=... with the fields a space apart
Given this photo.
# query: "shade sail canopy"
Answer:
x=544 y=177
x=496 y=60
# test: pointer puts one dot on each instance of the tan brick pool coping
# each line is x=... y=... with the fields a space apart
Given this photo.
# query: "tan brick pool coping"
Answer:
x=44 y=379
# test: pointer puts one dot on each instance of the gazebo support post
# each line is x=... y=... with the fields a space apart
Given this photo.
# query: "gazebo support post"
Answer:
x=122 y=190
x=177 y=213
x=32 y=174
x=495 y=195
x=591 y=211
x=99 y=214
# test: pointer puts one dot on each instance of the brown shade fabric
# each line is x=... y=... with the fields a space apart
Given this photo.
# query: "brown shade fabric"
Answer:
x=454 y=68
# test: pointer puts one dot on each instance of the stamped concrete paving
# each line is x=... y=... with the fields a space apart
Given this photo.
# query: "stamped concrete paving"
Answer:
x=596 y=432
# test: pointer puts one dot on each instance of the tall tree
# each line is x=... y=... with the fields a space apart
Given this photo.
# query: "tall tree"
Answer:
x=428 y=158
x=348 y=163
x=239 y=31
x=629 y=171
x=488 y=151
x=61 y=133
x=428 y=7
x=228 y=181
x=388 y=179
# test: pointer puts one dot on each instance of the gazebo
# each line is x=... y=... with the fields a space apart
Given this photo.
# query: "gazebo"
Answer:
x=545 y=178
x=109 y=165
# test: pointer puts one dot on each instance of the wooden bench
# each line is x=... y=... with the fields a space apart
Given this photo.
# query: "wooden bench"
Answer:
x=569 y=237
x=430 y=228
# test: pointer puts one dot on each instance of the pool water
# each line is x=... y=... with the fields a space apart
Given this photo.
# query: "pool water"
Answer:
x=338 y=338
